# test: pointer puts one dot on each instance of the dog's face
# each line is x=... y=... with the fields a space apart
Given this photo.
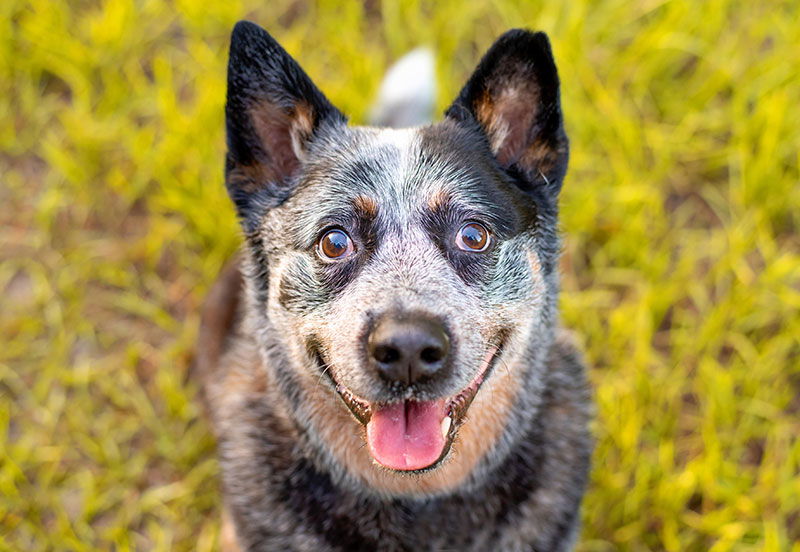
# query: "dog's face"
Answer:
x=404 y=280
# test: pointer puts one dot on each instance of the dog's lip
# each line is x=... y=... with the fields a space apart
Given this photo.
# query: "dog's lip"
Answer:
x=455 y=408
x=359 y=408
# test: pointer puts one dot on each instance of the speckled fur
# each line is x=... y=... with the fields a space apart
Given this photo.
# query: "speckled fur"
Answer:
x=295 y=470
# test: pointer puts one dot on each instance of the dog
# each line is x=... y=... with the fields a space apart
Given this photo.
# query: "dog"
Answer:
x=383 y=365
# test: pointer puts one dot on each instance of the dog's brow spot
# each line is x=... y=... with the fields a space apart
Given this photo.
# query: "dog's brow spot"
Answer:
x=438 y=200
x=366 y=207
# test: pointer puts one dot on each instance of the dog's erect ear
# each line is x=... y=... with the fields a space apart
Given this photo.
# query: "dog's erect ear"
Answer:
x=514 y=96
x=272 y=113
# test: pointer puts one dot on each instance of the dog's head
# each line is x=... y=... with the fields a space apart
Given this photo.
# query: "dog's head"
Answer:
x=403 y=282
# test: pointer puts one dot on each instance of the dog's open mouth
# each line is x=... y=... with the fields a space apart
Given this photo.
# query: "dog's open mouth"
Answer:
x=415 y=435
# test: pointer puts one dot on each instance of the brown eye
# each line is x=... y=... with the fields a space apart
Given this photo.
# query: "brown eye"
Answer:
x=335 y=244
x=473 y=236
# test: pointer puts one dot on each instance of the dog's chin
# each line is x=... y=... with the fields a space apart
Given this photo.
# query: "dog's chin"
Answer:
x=414 y=435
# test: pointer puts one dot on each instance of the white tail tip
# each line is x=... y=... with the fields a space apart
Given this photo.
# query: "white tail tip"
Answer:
x=408 y=93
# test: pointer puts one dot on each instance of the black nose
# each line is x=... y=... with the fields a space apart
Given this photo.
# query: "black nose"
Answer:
x=408 y=349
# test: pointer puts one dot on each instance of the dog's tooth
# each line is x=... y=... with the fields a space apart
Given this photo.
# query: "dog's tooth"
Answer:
x=446 y=423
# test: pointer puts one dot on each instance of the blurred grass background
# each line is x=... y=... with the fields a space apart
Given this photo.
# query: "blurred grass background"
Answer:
x=681 y=269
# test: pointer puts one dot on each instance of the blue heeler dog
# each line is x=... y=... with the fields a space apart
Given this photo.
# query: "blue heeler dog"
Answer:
x=383 y=364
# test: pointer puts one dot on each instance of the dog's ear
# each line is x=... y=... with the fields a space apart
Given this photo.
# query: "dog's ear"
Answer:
x=273 y=111
x=513 y=96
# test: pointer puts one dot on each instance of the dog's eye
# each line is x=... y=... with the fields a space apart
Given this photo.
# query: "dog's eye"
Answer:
x=335 y=244
x=473 y=236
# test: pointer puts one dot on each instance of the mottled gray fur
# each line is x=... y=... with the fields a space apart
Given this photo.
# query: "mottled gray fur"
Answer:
x=282 y=328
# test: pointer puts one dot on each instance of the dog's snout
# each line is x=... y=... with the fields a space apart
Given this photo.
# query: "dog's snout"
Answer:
x=408 y=349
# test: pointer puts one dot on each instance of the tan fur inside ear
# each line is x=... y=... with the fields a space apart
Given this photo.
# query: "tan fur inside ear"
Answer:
x=301 y=129
x=508 y=118
x=542 y=157
x=283 y=136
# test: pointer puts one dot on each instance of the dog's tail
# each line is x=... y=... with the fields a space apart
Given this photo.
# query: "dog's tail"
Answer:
x=408 y=93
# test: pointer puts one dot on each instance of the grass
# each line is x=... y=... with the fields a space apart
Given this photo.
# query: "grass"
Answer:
x=681 y=262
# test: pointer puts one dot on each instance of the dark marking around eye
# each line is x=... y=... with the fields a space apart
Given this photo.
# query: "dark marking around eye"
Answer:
x=442 y=225
x=335 y=256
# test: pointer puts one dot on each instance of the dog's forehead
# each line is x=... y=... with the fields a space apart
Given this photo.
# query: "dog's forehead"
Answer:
x=408 y=168
x=381 y=164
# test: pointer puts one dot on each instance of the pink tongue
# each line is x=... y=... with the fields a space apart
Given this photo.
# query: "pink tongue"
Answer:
x=407 y=435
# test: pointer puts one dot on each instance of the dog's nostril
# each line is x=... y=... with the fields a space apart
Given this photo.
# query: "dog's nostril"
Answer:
x=386 y=355
x=431 y=354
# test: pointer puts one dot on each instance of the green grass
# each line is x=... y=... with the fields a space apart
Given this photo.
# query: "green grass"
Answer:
x=681 y=263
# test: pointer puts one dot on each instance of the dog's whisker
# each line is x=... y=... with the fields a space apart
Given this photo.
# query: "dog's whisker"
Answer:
x=325 y=368
x=504 y=364
x=497 y=344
